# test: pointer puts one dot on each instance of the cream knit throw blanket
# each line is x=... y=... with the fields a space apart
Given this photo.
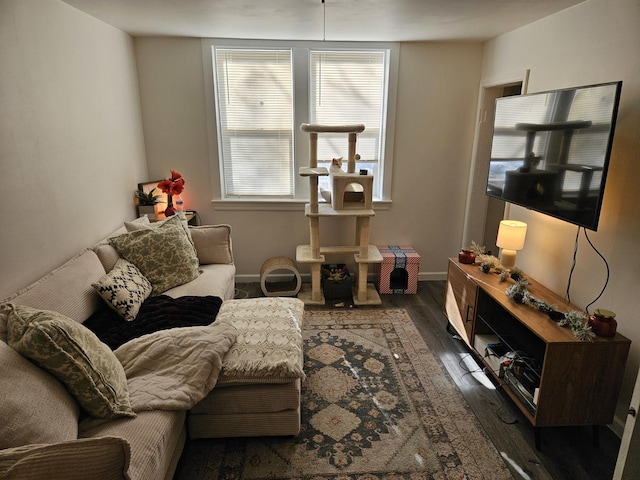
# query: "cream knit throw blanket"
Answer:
x=269 y=340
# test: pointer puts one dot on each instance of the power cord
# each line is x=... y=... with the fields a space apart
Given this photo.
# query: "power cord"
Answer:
x=240 y=294
x=606 y=264
x=501 y=404
x=573 y=265
x=463 y=366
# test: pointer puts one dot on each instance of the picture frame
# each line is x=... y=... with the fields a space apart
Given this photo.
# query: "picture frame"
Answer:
x=159 y=207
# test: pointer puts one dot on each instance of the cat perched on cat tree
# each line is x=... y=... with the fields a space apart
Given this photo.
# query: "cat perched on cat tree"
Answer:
x=336 y=168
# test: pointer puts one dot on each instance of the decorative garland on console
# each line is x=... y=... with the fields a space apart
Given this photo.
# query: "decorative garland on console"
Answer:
x=575 y=320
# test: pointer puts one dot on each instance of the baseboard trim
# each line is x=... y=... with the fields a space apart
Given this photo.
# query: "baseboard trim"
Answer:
x=306 y=278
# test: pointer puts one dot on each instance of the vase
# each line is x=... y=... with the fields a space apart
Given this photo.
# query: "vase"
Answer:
x=148 y=210
x=603 y=323
x=178 y=206
x=169 y=210
x=466 y=256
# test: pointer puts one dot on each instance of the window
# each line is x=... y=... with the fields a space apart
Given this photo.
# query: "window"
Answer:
x=255 y=117
x=348 y=87
x=260 y=93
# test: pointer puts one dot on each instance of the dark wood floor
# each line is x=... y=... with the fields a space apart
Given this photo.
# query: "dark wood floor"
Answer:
x=565 y=453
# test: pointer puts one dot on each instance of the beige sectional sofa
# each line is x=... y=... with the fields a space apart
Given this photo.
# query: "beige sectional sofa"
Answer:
x=46 y=433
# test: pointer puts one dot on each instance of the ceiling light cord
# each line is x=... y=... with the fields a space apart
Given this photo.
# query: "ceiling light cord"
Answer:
x=324 y=21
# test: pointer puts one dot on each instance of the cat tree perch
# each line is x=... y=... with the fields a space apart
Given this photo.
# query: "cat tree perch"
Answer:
x=314 y=254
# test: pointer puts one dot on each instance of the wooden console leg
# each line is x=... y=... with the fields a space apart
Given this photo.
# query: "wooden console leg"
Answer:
x=538 y=436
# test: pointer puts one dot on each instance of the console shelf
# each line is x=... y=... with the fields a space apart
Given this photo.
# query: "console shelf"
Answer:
x=566 y=381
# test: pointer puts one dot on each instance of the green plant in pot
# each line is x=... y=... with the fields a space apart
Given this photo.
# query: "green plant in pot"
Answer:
x=147 y=202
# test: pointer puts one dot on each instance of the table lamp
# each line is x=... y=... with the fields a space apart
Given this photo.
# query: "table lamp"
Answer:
x=511 y=235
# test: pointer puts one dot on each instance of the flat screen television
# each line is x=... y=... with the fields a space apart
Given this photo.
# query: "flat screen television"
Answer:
x=550 y=151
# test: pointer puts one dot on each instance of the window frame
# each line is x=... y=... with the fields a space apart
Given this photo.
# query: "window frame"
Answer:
x=300 y=55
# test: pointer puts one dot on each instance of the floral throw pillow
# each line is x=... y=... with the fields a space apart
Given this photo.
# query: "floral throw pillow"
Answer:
x=124 y=289
x=164 y=255
x=74 y=355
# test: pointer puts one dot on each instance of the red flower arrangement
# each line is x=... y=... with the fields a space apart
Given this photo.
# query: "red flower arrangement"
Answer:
x=171 y=186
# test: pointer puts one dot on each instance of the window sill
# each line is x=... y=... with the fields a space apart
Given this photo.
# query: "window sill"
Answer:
x=276 y=205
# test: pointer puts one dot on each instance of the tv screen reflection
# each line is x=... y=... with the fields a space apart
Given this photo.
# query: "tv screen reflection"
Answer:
x=550 y=150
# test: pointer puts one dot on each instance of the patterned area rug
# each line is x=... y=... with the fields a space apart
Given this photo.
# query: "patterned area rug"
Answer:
x=376 y=404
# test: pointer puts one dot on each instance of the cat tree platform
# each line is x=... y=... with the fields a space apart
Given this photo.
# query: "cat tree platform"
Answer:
x=364 y=293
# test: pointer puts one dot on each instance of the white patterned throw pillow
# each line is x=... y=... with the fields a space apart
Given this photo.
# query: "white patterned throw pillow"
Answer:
x=124 y=289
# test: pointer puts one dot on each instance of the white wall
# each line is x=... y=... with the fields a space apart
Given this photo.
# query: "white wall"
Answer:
x=596 y=41
x=437 y=92
x=71 y=145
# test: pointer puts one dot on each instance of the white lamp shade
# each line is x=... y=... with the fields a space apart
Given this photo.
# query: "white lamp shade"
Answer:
x=511 y=234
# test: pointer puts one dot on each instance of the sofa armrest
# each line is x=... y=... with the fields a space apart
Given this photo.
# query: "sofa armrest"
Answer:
x=213 y=244
x=99 y=458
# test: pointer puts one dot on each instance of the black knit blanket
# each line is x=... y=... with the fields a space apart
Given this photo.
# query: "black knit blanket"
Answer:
x=156 y=313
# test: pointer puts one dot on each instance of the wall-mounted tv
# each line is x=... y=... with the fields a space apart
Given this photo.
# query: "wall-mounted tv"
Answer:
x=550 y=151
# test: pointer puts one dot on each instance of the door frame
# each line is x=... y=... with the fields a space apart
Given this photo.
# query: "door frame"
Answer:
x=476 y=206
x=628 y=463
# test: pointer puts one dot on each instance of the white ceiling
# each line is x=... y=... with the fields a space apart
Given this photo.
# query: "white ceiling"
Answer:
x=335 y=20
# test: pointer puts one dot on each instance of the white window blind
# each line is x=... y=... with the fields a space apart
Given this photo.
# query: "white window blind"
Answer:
x=348 y=87
x=254 y=95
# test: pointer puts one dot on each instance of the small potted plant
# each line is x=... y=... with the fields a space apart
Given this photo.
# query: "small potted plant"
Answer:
x=147 y=202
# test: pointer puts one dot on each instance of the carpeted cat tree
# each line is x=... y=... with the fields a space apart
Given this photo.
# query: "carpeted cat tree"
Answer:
x=343 y=204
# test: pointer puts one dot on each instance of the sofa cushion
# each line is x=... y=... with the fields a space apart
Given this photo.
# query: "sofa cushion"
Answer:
x=217 y=280
x=34 y=406
x=164 y=255
x=73 y=354
x=154 y=436
x=143 y=223
x=276 y=424
x=138 y=224
x=106 y=253
x=124 y=289
x=67 y=289
x=213 y=243
x=254 y=398
x=104 y=458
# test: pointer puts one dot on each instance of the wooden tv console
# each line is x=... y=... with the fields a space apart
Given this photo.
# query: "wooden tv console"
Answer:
x=578 y=381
